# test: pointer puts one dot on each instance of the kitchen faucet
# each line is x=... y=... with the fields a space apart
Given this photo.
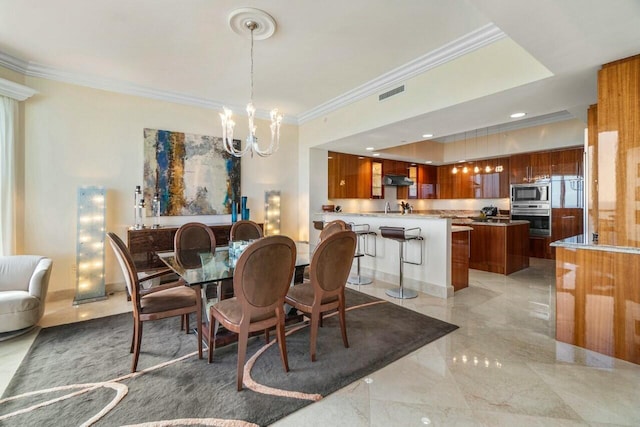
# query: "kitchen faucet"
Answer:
x=387 y=207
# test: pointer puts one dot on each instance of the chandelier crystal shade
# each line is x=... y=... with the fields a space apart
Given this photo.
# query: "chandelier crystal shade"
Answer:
x=252 y=20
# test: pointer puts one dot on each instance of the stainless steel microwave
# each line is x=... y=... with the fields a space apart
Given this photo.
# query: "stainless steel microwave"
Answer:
x=532 y=192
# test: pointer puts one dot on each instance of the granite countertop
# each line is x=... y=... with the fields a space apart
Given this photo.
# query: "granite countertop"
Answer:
x=582 y=241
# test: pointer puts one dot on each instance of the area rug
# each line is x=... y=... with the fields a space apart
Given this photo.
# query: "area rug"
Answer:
x=78 y=374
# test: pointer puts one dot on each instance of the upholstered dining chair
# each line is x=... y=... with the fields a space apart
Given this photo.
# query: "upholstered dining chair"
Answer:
x=261 y=279
x=191 y=239
x=167 y=300
x=328 y=273
x=245 y=230
x=333 y=227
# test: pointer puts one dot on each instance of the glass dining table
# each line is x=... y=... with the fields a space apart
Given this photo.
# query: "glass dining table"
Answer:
x=205 y=268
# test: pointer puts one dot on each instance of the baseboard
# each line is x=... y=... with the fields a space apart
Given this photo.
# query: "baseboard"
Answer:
x=69 y=294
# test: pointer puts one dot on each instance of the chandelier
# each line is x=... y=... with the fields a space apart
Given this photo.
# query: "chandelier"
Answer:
x=261 y=26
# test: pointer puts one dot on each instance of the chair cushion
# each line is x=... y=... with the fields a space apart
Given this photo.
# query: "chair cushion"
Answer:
x=18 y=310
x=169 y=299
x=231 y=310
x=303 y=294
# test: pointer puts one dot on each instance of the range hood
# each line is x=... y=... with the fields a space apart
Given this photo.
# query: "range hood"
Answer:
x=397 y=180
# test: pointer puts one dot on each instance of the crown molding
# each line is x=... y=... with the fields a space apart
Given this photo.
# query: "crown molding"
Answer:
x=33 y=69
x=474 y=40
x=15 y=90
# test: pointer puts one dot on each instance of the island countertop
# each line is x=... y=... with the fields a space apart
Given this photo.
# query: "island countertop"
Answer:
x=502 y=221
x=581 y=241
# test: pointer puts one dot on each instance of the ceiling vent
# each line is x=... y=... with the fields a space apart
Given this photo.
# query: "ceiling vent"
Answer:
x=391 y=92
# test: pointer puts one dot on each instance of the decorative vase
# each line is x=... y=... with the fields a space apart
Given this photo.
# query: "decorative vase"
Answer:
x=234 y=212
x=243 y=208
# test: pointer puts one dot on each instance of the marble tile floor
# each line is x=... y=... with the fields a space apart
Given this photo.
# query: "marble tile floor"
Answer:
x=503 y=367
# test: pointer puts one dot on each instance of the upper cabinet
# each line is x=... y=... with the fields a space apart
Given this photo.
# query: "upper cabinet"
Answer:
x=492 y=182
x=349 y=176
x=530 y=167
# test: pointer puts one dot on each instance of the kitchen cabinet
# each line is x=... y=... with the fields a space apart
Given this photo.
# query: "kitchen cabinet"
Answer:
x=454 y=185
x=349 y=176
x=492 y=185
x=427 y=181
x=459 y=259
x=499 y=249
x=377 y=189
x=530 y=167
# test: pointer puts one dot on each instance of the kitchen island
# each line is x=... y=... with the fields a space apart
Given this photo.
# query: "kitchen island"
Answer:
x=499 y=245
x=434 y=276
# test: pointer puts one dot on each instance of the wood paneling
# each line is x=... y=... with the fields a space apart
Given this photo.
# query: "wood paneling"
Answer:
x=618 y=124
x=460 y=260
x=592 y=165
x=597 y=306
x=499 y=249
x=427 y=181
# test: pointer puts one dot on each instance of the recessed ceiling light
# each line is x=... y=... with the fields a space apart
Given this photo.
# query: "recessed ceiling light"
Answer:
x=427 y=135
x=413 y=164
x=428 y=162
x=369 y=148
x=518 y=115
x=360 y=157
x=461 y=161
x=376 y=154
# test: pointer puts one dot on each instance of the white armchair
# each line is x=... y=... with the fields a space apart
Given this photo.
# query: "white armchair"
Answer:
x=24 y=280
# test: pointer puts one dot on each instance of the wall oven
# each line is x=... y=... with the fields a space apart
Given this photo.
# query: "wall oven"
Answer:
x=538 y=215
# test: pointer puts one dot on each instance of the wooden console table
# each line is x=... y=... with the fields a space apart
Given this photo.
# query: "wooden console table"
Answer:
x=143 y=244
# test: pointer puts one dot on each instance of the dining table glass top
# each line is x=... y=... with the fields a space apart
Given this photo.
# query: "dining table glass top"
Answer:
x=198 y=267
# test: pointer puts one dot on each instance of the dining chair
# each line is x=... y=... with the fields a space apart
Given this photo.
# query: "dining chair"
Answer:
x=245 y=230
x=261 y=279
x=157 y=303
x=333 y=227
x=324 y=292
x=190 y=240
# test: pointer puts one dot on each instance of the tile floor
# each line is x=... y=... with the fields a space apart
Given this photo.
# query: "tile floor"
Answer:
x=501 y=368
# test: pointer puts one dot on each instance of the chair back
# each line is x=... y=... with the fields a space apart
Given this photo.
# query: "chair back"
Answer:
x=331 y=263
x=190 y=241
x=245 y=230
x=127 y=266
x=263 y=275
x=333 y=227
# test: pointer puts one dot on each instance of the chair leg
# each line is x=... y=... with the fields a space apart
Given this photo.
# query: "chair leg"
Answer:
x=266 y=335
x=243 y=338
x=133 y=336
x=213 y=330
x=315 y=320
x=282 y=343
x=186 y=323
x=199 y=320
x=136 y=349
x=343 y=321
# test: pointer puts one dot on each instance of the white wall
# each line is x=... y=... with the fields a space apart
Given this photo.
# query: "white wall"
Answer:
x=78 y=136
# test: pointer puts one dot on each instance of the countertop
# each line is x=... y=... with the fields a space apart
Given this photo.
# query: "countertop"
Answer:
x=500 y=220
x=582 y=241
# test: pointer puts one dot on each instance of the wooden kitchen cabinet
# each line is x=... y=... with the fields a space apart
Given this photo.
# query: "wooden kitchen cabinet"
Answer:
x=349 y=176
x=427 y=181
x=530 y=167
x=499 y=249
x=493 y=185
x=454 y=185
x=460 y=260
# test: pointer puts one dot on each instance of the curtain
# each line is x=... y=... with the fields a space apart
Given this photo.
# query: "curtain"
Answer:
x=8 y=126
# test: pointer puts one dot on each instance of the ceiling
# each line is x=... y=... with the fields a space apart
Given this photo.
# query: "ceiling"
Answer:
x=323 y=55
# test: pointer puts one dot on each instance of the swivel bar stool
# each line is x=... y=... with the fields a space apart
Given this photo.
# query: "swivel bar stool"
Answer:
x=402 y=235
x=363 y=232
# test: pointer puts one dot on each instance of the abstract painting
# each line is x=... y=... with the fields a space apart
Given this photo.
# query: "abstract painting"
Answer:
x=193 y=174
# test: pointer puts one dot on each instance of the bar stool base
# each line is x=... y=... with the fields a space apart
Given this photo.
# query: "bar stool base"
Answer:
x=359 y=280
x=402 y=293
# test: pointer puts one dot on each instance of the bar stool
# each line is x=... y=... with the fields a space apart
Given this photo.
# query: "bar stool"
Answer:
x=402 y=235
x=363 y=232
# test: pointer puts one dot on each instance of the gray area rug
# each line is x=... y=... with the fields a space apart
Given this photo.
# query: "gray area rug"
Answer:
x=97 y=351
